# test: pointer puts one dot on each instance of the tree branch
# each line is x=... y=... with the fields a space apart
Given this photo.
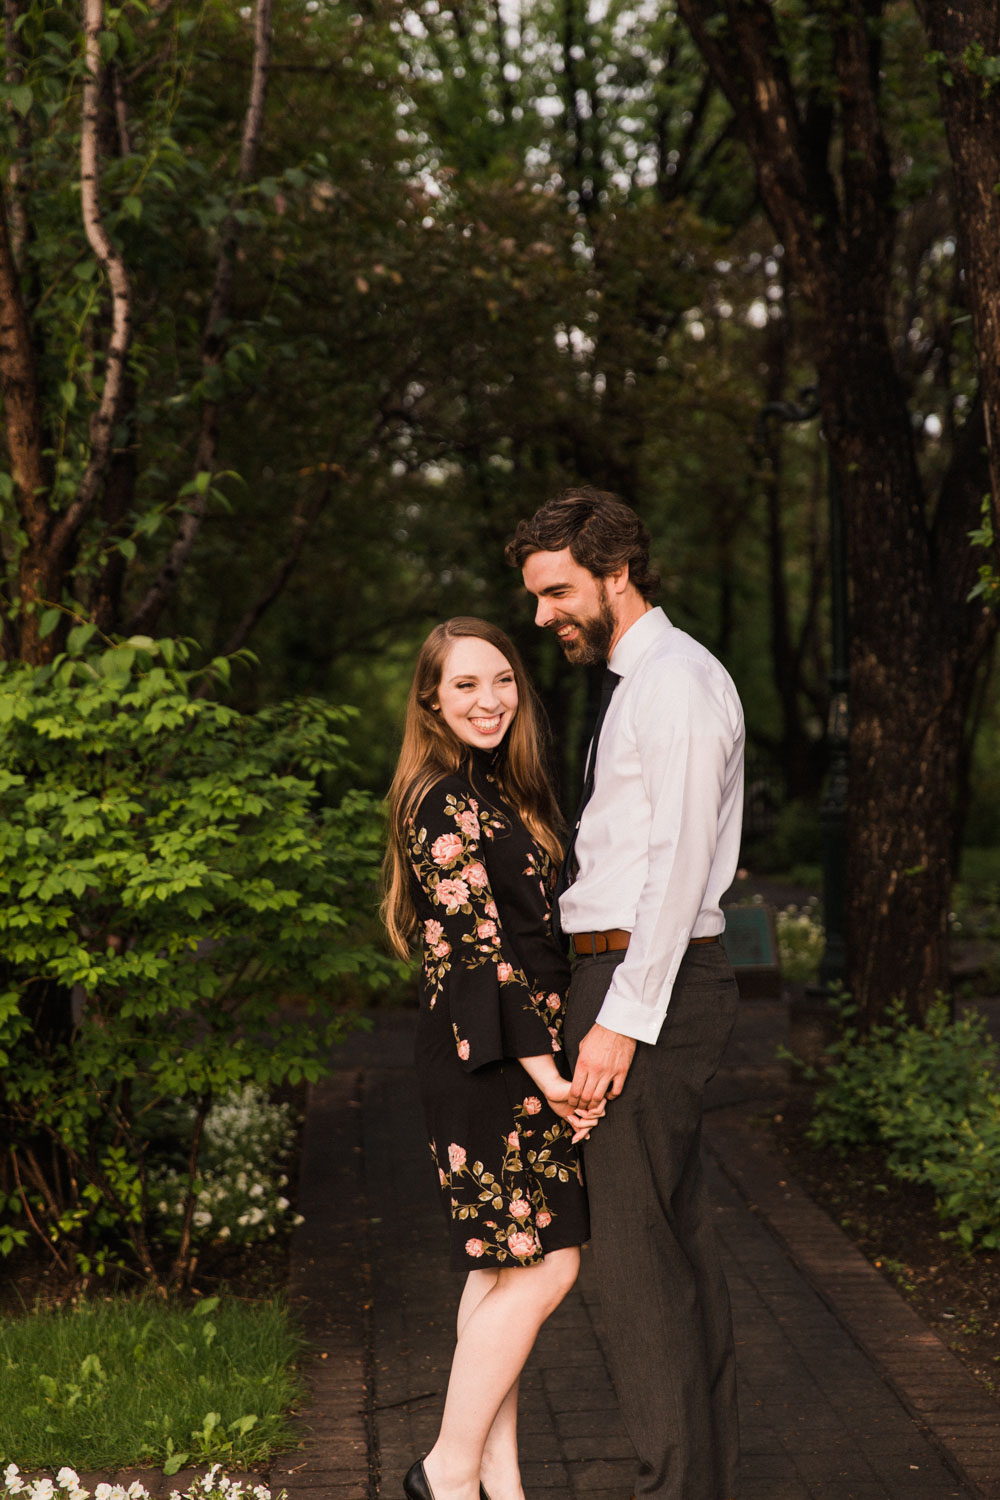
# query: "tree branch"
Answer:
x=102 y=424
x=748 y=62
x=304 y=520
x=213 y=341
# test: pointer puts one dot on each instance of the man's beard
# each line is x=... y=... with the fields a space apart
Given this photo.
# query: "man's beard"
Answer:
x=593 y=642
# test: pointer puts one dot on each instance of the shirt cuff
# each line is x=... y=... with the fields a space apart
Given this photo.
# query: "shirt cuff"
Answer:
x=629 y=1018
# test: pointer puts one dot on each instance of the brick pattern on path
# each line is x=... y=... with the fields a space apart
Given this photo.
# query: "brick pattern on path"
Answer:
x=844 y=1395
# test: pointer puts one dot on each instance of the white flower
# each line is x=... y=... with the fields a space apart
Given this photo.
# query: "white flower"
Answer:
x=68 y=1479
x=224 y=1232
x=138 y=1491
x=201 y=1218
x=281 y=1203
x=42 y=1489
x=103 y=1492
x=118 y=1492
x=257 y=1191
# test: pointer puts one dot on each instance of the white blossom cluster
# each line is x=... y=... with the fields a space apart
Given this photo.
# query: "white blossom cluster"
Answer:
x=238 y=1193
x=66 y=1486
x=801 y=938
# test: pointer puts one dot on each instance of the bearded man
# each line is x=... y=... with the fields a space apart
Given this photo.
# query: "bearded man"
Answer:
x=653 y=998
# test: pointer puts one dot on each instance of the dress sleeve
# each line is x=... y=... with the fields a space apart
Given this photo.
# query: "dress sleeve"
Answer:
x=468 y=963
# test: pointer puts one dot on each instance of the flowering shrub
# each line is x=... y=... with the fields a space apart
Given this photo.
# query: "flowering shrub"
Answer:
x=169 y=870
x=238 y=1189
x=801 y=938
x=214 y=1485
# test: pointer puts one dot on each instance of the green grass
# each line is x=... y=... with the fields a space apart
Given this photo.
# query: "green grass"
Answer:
x=137 y=1382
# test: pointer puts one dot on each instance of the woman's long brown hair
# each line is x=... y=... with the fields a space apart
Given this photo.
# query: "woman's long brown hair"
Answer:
x=432 y=751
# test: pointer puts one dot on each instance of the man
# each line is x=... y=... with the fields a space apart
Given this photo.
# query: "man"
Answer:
x=653 y=998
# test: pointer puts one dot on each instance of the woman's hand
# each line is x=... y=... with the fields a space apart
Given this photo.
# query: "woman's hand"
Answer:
x=581 y=1120
x=545 y=1075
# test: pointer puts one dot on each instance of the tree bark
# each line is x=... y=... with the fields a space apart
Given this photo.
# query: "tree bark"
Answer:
x=26 y=446
x=102 y=424
x=966 y=36
x=915 y=641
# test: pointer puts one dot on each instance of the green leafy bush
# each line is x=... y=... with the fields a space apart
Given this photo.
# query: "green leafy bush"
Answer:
x=168 y=872
x=929 y=1096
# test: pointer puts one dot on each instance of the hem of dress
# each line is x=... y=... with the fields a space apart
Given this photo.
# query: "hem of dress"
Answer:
x=490 y=1263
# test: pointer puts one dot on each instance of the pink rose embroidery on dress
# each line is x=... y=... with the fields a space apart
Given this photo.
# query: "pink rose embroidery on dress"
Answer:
x=454 y=893
x=469 y=823
x=446 y=849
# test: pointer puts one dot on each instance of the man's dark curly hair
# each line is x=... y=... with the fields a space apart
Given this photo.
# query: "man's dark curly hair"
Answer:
x=601 y=532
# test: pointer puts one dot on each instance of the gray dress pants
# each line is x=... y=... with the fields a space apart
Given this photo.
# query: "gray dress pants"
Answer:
x=663 y=1292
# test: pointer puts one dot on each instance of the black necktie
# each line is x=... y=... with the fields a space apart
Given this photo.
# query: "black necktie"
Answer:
x=567 y=873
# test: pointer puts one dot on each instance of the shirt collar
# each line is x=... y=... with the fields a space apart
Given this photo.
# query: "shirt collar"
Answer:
x=636 y=641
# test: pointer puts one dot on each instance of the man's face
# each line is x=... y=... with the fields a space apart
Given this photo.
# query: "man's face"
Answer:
x=573 y=603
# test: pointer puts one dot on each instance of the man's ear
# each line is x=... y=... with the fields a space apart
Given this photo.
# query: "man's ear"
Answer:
x=618 y=581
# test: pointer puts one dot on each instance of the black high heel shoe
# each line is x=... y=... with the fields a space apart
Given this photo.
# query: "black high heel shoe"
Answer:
x=415 y=1485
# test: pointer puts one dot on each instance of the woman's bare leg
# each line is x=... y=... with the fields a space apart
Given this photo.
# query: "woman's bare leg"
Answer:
x=500 y=1473
x=498 y=1327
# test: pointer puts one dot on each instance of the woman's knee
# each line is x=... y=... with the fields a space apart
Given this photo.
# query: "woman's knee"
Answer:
x=562 y=1268
x=567 y=1265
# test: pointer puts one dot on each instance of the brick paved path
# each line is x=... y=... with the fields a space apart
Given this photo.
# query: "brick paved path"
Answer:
x=844 y=1394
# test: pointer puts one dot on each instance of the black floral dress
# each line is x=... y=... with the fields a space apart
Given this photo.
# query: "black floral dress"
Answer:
x=493 y=987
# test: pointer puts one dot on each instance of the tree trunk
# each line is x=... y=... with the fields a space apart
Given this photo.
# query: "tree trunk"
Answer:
x=967 y=38
x=826 y=184
x=26 y=446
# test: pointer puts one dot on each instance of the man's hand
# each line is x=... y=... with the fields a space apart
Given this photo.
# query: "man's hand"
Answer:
x=601 y=1066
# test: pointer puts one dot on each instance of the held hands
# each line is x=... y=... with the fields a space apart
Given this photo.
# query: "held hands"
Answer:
x=601 y=1068
x=545 y=1075
x=582 y=1121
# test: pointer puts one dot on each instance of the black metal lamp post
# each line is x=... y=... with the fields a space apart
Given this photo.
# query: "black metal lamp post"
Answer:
x=833 y=966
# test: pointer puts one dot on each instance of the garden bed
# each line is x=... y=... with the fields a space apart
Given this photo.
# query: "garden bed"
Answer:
x=895 y=1226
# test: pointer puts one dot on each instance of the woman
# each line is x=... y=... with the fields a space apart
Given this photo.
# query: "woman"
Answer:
x=472 y=851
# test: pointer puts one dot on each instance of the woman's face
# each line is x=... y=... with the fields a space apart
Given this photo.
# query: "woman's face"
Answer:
x=477 y=694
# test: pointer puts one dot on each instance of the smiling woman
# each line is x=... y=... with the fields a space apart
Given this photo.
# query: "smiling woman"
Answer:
x=477 y=695
x=470 y=866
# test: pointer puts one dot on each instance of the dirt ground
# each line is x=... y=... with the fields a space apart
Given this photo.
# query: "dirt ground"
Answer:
x=895 y=1226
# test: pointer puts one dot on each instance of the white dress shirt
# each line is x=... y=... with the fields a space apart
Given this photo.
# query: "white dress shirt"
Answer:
x=659 y=839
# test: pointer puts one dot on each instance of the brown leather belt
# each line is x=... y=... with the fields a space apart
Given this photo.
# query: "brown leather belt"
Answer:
x=615 y=940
